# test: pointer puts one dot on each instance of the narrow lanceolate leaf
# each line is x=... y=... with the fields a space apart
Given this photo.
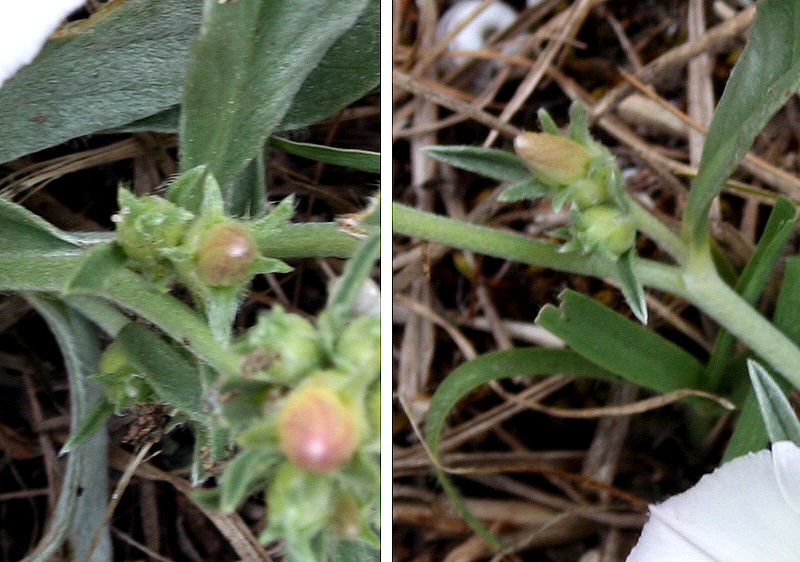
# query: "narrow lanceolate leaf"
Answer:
x=363 y=160
x=249 y=471
x=787 y=305
x=765 y=76
x=778 y=415
x=246 y=67
x=479 y=371
x=23 y=233
x=631 y=287
x=170 y=373
x=124 y=63
x=500 y=165
x=619 y=345
x=349 y=70
x=525 y=189
x=82 y=501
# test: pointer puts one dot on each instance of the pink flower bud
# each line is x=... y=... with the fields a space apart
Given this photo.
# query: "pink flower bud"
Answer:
x=555 y=160
x=225 y=255
x=317 y=430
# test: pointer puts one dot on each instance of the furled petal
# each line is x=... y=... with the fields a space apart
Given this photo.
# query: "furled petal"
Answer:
x=747 y=510
x=25 y=26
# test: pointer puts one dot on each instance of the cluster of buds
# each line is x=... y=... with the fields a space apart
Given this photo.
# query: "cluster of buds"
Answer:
x=164 y=241
x=312 y=398
x=576 y=170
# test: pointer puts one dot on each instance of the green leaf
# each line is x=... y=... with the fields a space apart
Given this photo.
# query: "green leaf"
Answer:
x=766 y=74
x=779 y=416
x=125 y=63
x=169 y=372
x=578 y=126
x=24 y=233
x=352 y=64
x=249 y=190
x=81 y=507
x=547 y=123
x=339 y=308
x=363 y=160
x=244 y=400
x=526 y=189
x=91 y=424
x=787 y=305
x=244 y=70
x=101 y=262
x=490 y=366
x=500 y=165
x=220 y=305
x=630 y=286
x=270 y=225
x=751 y=282
x=248 y=472
x=750 y=433
x=189 y=188
x=625 y=348
x=349 y=70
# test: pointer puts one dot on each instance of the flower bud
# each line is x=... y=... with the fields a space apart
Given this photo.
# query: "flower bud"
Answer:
x=358 y=349
x=146 y=225
x=122 y=385
x=555 y=160
x=225 y=255
x=317 y=430
x=588 y=192
x=606 y=229
x=289 y=344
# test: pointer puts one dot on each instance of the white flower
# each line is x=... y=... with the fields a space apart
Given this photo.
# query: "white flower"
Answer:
x=24 y=27
x=748 y=510
x=474 y=35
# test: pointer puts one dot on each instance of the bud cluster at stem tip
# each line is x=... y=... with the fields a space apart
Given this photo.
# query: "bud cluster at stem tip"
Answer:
x=583 y=173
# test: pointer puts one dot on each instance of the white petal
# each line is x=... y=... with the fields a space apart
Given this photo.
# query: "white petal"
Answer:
x=25 y=26
x=493 y=18
x=745 y=511
x=786 y=458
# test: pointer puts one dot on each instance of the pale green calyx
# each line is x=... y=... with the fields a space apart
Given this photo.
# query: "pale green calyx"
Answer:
x=604 y=229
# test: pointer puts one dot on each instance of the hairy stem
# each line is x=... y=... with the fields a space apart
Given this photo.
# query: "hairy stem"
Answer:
x=696 y=280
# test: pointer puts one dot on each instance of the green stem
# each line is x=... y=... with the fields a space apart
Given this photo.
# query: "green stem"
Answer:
x=707 y=290
x=658 y=232
x=53 y=274
x=310 y=239
x=524 y=249
x=697 y=280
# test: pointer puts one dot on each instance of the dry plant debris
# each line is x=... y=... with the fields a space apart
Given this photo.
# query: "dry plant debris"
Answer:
x=561 y=470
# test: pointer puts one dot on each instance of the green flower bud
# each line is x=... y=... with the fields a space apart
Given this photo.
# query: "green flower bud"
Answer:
x=146 y=225
x=300 y=506
x=555 y=160
x=225 y=254
x=318 y=431
x=358 y=349
x=588 y=192
x=285 y=347
x=122 y=385
x=606 y=229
